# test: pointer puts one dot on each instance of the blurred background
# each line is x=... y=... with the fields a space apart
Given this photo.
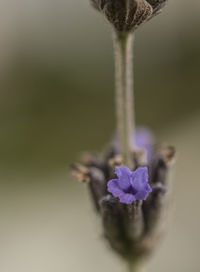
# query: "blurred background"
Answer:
x=56 y=99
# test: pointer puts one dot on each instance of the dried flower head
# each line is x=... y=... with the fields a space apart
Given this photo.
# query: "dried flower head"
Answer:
x=131 y=204
x=127 y=15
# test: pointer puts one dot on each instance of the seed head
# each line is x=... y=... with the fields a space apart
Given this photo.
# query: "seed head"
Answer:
x=127 y=15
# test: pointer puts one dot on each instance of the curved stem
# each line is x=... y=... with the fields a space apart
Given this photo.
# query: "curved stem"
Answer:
x=123 y=45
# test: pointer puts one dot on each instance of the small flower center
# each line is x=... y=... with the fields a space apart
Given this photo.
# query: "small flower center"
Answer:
x=130 y=190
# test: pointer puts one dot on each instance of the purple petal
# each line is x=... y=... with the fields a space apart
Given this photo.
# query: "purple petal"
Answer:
x=139 y=178
x=143 y=137
x=113 y=188
x=148 y=188
x=127 y=198
x=124 y=175
x=142 y=195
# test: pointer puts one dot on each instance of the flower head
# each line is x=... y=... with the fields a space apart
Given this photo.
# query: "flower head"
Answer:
x=127 y=15
x=130 y=186
x=129 y=227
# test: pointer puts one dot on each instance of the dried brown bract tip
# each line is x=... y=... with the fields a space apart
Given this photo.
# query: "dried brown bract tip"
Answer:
x=80 y=173
x=127 y=15
x=140 y=157
x=168 y=153
x=116 y=161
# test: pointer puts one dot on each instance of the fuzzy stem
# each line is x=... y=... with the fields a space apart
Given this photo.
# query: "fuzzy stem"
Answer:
x=123 y=45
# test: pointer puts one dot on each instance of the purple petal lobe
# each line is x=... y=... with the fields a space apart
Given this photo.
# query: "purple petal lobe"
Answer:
x=148 y=188
x=113 y=187
x=142 y=195
x=127 y=198
x=124 y=175
x=139 y=178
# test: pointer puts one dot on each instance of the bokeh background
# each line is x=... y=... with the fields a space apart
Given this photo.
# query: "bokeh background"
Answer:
x=56 y=99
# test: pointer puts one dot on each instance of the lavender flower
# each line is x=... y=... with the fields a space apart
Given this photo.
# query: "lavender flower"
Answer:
x=130 y=186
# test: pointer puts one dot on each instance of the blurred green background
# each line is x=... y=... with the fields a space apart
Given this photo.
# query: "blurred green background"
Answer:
x=56 y=99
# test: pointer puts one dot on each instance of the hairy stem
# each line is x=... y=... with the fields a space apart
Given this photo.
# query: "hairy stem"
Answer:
x=123 y=45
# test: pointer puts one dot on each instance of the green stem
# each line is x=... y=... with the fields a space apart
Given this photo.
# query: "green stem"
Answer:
x=123 y=45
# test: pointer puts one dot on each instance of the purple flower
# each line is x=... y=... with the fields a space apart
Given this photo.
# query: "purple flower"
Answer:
x=130 y=186
x=144 y=139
